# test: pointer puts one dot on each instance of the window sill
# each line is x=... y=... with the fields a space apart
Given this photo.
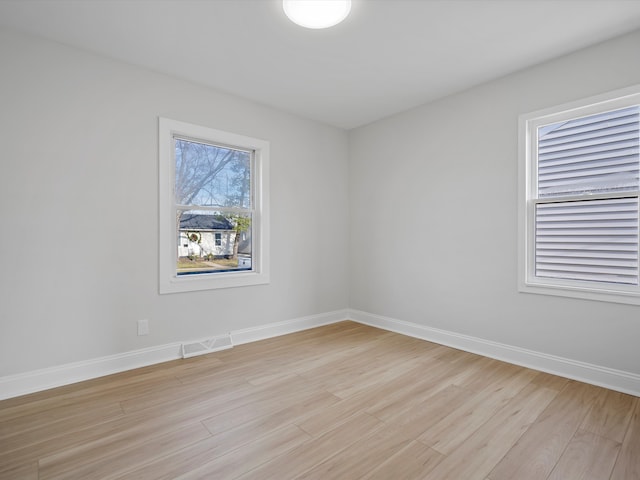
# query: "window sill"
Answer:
x=581 y=292
x=198 y=282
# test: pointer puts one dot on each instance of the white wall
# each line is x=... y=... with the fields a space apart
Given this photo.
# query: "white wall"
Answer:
x=443 y=179
x=435 y=186
x=79 y=167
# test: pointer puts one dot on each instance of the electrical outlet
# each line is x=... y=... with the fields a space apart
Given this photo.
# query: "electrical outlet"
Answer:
x=143 y=327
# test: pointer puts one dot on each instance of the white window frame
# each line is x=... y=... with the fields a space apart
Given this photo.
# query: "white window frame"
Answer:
x=527 y=199
x=169 y=281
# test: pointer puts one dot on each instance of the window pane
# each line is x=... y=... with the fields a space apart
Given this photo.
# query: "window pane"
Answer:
x=592 y=240
x=210 y=175
x=213 y=242
x=593 y=154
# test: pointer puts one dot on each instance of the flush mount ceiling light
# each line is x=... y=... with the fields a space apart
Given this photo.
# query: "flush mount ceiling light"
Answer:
x=316 y=13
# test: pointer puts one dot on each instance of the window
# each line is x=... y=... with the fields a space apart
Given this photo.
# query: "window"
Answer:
x=579 y=190
x=213 y=195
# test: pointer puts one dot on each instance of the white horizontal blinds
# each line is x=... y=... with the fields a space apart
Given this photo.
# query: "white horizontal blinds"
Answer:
x=580 y=238
x=593 y=240
x=593 y=154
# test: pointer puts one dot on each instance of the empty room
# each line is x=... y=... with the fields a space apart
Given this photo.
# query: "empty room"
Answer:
x=305 y=239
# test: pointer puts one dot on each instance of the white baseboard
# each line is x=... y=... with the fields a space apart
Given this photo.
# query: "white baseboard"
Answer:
x=38 y=380
x=618 y=380
x=44 y=379
x=270 y=330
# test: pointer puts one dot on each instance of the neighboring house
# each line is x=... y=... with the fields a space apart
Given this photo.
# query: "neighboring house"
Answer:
x=203 y=235
x=244 y=249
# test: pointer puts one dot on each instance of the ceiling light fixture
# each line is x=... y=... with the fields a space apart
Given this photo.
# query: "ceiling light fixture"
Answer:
x=316 y=13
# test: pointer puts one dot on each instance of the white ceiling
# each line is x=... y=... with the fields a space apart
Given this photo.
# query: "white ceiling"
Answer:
x=388 y=56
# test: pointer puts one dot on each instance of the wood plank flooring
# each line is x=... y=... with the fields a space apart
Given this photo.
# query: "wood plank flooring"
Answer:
x=345 y=401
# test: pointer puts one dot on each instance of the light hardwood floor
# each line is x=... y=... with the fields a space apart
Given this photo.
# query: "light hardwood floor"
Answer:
x=344 y=401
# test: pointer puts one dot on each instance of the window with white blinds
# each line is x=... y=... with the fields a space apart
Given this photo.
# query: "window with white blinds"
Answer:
x=593 y=154
x=579 y=225
x=593 y=240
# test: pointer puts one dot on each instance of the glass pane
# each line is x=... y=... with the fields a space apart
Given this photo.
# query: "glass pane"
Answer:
x=213 y=242
x=592 y=154
x=210 y=175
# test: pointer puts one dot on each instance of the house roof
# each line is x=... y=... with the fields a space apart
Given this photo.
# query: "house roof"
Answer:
x=204 y=222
